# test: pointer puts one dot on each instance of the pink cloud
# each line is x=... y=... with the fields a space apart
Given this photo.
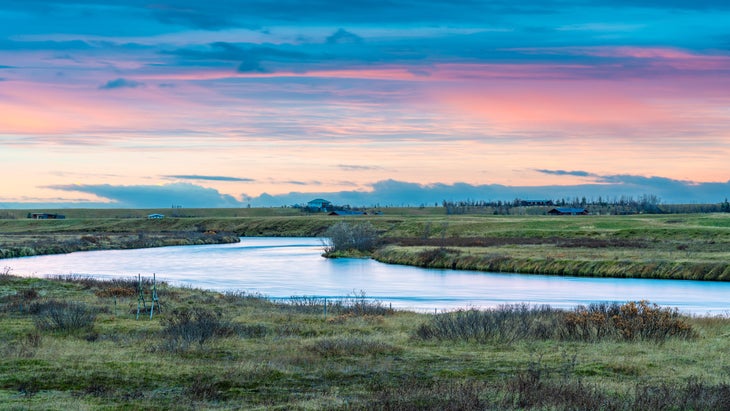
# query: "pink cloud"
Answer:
x=672 y=57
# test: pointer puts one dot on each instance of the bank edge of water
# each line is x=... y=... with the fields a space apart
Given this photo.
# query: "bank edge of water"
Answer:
x=445 y=258
x=68 y=243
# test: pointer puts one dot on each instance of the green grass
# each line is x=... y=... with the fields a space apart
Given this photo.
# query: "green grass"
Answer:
x=266 y=355
x=683 y=246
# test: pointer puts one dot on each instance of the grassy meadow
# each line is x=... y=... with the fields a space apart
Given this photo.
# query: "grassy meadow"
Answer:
x=75 y=343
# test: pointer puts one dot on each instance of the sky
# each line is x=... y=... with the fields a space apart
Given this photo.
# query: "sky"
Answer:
x=153 y=103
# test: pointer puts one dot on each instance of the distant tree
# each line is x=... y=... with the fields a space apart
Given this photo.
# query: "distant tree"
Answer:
x=344 y=236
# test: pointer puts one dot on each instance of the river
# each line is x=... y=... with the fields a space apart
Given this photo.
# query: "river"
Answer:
x=285 y=267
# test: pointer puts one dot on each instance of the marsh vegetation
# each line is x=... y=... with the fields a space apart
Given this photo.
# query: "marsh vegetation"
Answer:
x=206 y=350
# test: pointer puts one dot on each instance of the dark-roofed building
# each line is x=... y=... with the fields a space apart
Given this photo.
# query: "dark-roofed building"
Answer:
x=319 y=205
x=568 y=211
x=347 y=212
x=46 y=216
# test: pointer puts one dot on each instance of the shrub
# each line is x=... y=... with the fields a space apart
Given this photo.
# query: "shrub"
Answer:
x=91 y=282
x=116 y=292
x=361 y=305
x=205 y=388
x=633 y=321
x=63 y=316
x=352 y=305
x=439 y=395
x=20 y=301
x=507 y=323
x=187 y=326
x=644 y=321
x=347 y=237
x=591 y=323
x=308 y=304
x=5 y=273
x=251 y=330
x=693 y=395
x=531 y=389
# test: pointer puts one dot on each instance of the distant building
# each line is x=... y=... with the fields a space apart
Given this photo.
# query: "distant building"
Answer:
x=347 y=212
x=46 y=216
x=319 y=205
x=568 y=211
x=155 y=216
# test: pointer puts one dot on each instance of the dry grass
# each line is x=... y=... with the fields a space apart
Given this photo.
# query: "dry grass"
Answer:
x=259 y=354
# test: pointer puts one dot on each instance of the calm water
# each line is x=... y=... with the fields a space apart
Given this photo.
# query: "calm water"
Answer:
x=285 y=267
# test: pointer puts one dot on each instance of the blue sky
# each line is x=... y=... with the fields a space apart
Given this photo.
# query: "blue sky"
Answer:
x=228 y=103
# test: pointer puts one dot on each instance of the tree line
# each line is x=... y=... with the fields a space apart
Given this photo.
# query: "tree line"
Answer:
x=621 y=205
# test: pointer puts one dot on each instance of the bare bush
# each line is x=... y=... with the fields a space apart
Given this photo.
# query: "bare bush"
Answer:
x=361 y=305
x=348 y=237
x=412 y=395
x=633 y=321
x=356 y=304
x=5 y=274
x=63 y=316
x=90 y=282
x=198 y=325
x=506 y=323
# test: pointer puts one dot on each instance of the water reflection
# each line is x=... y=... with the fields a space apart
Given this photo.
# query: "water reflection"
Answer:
x=284 y=267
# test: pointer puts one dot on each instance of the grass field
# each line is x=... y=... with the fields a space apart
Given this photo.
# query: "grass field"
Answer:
x=74 y=343
x=681 y=246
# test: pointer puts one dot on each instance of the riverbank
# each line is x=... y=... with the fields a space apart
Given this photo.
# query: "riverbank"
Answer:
x=554 y=261
x=687 y=247
x=679 y=246
x=25 y=245
x=206 y=350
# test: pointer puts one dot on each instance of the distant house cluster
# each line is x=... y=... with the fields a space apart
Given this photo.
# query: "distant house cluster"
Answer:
x=568 y=211
x=46 y=216
x=347 y=212
x=320 y=205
